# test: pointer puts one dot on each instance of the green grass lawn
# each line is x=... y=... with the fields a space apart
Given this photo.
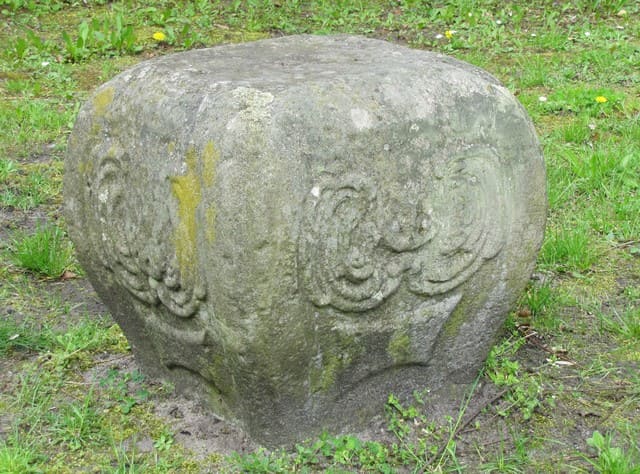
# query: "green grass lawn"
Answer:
x=567 y=371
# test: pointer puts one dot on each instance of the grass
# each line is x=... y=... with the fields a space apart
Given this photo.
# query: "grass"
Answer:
x=15 y=337
x=46 y=252
x=26 y=187
x=566 y=370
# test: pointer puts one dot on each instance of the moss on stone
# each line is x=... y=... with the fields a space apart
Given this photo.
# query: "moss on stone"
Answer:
x=210 y=158
x=456 y=319
x=102 y=100
x=335 y=360
x=188 y=191
x=462 y=313
x=323 y=377
x=220 y=403
x=399 y=347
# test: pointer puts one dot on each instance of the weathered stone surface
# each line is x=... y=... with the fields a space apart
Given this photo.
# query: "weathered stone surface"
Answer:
x=292 y=229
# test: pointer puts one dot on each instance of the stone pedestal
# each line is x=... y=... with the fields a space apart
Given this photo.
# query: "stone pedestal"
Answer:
x=294 y=228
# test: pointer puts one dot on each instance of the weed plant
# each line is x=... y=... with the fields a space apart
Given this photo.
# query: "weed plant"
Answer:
x=610 y=458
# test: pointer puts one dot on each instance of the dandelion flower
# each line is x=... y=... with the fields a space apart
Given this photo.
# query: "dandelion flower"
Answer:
x=159 y=36
x=601 y=99
x=449 y=33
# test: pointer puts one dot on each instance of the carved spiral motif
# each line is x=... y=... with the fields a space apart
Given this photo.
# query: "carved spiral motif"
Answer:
x=358 y=244
x=340 y=244
x=147 y=268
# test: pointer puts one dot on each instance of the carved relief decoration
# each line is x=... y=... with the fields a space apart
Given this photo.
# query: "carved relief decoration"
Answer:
x=146 y=267
x=359 y=242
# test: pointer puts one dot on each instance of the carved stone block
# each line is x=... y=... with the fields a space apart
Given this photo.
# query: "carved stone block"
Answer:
x=294 y=228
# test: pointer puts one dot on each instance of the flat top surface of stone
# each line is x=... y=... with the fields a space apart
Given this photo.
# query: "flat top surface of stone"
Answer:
x=306 y=58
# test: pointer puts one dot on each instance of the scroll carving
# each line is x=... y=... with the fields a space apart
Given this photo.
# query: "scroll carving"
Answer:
x=147 y=268
x=359 y=244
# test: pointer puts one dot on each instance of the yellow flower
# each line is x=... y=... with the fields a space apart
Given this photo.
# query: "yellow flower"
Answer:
x=601 y=99
x=449 y=34
x=159 y=36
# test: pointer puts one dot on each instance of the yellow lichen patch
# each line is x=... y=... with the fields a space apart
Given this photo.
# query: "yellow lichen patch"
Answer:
x=210 y=157
x=102 y=100
x=171 y=147
x=187 y=190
